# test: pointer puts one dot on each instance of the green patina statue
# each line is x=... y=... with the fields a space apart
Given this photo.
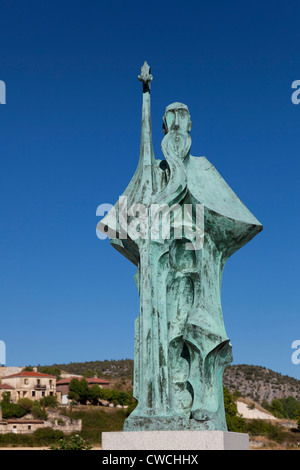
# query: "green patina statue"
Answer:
x=178 y=222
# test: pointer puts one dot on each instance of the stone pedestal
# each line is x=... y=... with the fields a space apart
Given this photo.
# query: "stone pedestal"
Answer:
x=175 y=440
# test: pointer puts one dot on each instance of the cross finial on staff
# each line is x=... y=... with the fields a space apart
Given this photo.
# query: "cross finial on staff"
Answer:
x=145 y=76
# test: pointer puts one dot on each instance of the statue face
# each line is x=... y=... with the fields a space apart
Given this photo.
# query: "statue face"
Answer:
x=177 y=118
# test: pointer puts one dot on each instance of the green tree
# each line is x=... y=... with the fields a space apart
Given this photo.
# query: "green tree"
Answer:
x=115 y=396
x=50 y=370
x=265 y=405
x=94 y=394
x=38 y=412
x=124 y=398
x=297 y=417
x=287 y=407
x=276 y=408
x=131 y=407
x=109 y=394
x=26 y=403
x=88 y=373
x=291 y=407
x=12 y=410
x=5 y=398
x=49 y=401
x=235 y=422
x=79 y=391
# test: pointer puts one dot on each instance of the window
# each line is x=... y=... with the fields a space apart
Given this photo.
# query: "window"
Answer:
x=33 y=393
x=26 y=381
x=29 y=428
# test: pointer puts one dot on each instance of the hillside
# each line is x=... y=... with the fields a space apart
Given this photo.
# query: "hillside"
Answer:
x=260 y=383
x=117 y=369
x=256 y=382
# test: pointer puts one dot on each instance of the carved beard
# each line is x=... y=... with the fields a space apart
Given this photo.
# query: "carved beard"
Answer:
x=176 y=144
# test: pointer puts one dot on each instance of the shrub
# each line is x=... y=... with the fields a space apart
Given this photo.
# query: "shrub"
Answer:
x=5 y=398
x=79 y=391
x=40 y=437
x=26 y=404
x=49 y=402
x=131 y=407
x=235 y=422
x=115 y=396
x=287 y=407
x=276 y=408
x=38 y=412
x=263 y=428
x=88 y=373
x=16 y=440
x=258 y=427
x=50 y=370
x=11 y=410
x=46 y=436
x=74 y=443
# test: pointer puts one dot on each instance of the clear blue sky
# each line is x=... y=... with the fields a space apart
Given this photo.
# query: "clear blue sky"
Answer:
x=70 y=141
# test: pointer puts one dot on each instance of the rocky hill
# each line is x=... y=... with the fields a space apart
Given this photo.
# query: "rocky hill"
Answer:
x=9 y=370
x=260 y=383
x=255 y=382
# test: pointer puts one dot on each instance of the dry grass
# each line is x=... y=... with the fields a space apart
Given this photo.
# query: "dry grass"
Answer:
x=250 y=402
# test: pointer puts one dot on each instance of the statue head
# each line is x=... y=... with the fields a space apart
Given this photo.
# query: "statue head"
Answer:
x=177 y=118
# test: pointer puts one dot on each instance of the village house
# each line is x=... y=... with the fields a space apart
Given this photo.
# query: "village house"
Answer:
x=29 y=384
x=62 y=385
x=35 y=386
x=54 y=421
x=19 y=426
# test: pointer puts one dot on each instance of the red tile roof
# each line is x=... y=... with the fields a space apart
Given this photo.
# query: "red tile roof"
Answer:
x=67 y=380
x=6 y=387
x=24 y=421
x=27 y=373
x=95 y=380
